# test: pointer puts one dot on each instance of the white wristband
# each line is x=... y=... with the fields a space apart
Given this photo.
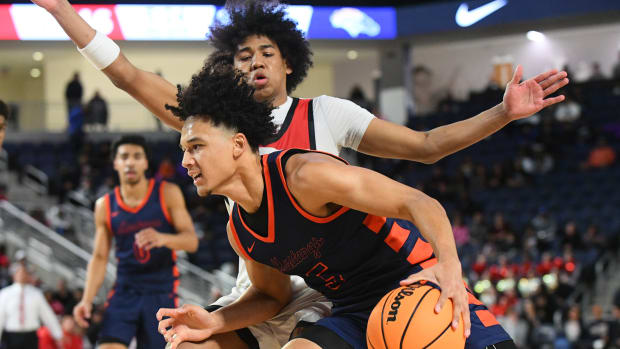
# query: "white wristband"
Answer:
x=101 y=51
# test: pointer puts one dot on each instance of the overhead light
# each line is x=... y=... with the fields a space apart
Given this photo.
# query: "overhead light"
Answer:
x=535 y=36
x=352 y=55
x=38 y=56
x=35 y=72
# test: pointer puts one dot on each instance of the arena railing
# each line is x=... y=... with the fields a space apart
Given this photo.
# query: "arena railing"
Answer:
x=55 y=256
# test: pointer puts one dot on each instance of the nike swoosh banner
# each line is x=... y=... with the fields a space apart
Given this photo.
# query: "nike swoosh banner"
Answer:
x=446 y=16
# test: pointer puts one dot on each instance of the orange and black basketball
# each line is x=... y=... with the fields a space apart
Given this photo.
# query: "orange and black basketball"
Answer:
x=405 y=319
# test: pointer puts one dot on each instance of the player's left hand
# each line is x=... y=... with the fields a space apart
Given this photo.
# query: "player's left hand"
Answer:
x=449 y=276
x=528 y=97
x=149 y=238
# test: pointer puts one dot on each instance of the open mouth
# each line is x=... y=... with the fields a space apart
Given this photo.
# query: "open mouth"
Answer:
x=260 y=79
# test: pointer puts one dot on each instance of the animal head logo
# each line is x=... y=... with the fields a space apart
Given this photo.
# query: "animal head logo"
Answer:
x=354 y=22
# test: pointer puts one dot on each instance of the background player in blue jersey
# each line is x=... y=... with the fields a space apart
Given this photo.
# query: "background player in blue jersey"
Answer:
x=147 y=220
x=308 y=214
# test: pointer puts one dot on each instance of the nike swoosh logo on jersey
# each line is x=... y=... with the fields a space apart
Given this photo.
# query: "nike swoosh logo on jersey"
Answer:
x=251 y=247
x=465 y=17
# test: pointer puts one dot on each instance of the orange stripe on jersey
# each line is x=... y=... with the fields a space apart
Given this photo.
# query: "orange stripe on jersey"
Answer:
x=374 y=223
x=471 y=299
x=162 y=202
x=429 y=263
x=110 y=294
x=175 y=290
x=421 y=251
x=108 y=213
x=397 y=237
x=487 y=318
x=136 y=209
x=299 y=209
x=234 y=232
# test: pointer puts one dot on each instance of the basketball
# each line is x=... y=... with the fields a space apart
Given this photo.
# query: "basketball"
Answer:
x=405 y=319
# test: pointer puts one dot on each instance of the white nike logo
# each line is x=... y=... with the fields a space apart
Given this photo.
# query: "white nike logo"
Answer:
x=464 y=17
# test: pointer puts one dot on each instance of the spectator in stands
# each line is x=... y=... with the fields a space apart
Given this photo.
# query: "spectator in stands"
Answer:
x=614 y=329
x=601 y=156
x=616 y=68
x=573 y=326
x=545 y=228
x=73 y=92
x=22 y=310
x=96 y=113
x=515 y=325
x=597 y=74
x=570 y=236
x=460 y=230
x=71 y=334
x=63 y=295
x=597 y=329
x=569 y=111
x=4 y=117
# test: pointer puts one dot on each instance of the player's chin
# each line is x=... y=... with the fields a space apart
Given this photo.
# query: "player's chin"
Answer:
x=202 y=191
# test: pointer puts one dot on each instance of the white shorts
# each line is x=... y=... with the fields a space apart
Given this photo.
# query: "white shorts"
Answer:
x=306 y=304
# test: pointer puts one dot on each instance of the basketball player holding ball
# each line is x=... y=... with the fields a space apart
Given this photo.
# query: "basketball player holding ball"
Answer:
x=267 y=47
x=351 y=233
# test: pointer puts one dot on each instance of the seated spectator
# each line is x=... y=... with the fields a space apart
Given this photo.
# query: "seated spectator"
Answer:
x=568 y=111
x=601 y=156
x=460 y=230
x=570 y=236
x=71 y=334
x=545 y=227
x=597 y=329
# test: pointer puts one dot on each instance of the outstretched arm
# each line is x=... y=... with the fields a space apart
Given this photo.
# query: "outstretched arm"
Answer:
x=269 y=293
x=385 y=139
x=151 y=90
x=318 y=181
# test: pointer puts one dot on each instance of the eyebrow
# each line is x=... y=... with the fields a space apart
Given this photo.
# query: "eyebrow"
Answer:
x=261 y=47
x=191 y=140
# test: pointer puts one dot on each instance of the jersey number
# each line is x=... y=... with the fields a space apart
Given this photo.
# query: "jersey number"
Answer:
x=333 y=282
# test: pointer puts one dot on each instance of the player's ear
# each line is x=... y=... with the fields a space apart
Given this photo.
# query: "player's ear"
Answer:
x=240 y=144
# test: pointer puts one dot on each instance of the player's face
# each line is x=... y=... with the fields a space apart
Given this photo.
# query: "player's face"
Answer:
x=131 y=163
x=2 y=129
x=261 y=60
x=207 y=154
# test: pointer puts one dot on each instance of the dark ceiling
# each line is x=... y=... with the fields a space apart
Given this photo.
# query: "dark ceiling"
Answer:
x=221 y=2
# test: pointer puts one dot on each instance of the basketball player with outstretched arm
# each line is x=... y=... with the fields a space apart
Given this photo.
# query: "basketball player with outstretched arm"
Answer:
x=263 y=43
x=342 y=243
x=148 y=221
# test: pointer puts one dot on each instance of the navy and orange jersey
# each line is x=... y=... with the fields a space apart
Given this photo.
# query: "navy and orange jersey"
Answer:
x=297 y=130
x=153 y=270
x=351 y=257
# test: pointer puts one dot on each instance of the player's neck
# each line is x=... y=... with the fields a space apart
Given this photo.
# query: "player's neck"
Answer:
x=134 y=192
x=246 y=186
x=279 y=100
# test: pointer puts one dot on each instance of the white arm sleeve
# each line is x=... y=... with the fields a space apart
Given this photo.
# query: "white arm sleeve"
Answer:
x=346 y=120
x=48 y=317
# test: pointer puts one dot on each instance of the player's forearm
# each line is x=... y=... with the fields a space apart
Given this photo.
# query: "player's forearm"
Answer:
x=94 y=278
x=251 y=308
x=78 y=30
x=432 y=221
x=181 y=241
x=445 y=140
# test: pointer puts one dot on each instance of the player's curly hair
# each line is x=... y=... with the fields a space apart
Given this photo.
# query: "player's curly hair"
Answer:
x=219 y=93
x=267 y=18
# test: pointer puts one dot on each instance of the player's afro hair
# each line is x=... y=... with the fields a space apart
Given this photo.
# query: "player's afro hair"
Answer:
x=266 y=18
x=220 y=94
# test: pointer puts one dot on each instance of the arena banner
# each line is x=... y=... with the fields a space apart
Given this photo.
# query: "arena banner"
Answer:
x=192 y=22
x=461 y=15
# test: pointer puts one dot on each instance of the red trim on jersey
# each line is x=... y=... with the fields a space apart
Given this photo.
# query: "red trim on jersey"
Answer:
x=162 y=203
x=299 y=209
x=420 y=252
x=121 y=203
x=7 y=27
x=110 y=294
x=297 y=134
x=108 y=212
x=374 y=223
x=397 y=237
x=234 y=232
x=471 y=299
x=487 y=318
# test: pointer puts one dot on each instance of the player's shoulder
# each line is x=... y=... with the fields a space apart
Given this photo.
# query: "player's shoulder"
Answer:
x=326 y=101
x=170 y=190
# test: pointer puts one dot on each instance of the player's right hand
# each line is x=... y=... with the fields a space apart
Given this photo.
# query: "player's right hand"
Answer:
x=81 y=313
x=189 y=323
